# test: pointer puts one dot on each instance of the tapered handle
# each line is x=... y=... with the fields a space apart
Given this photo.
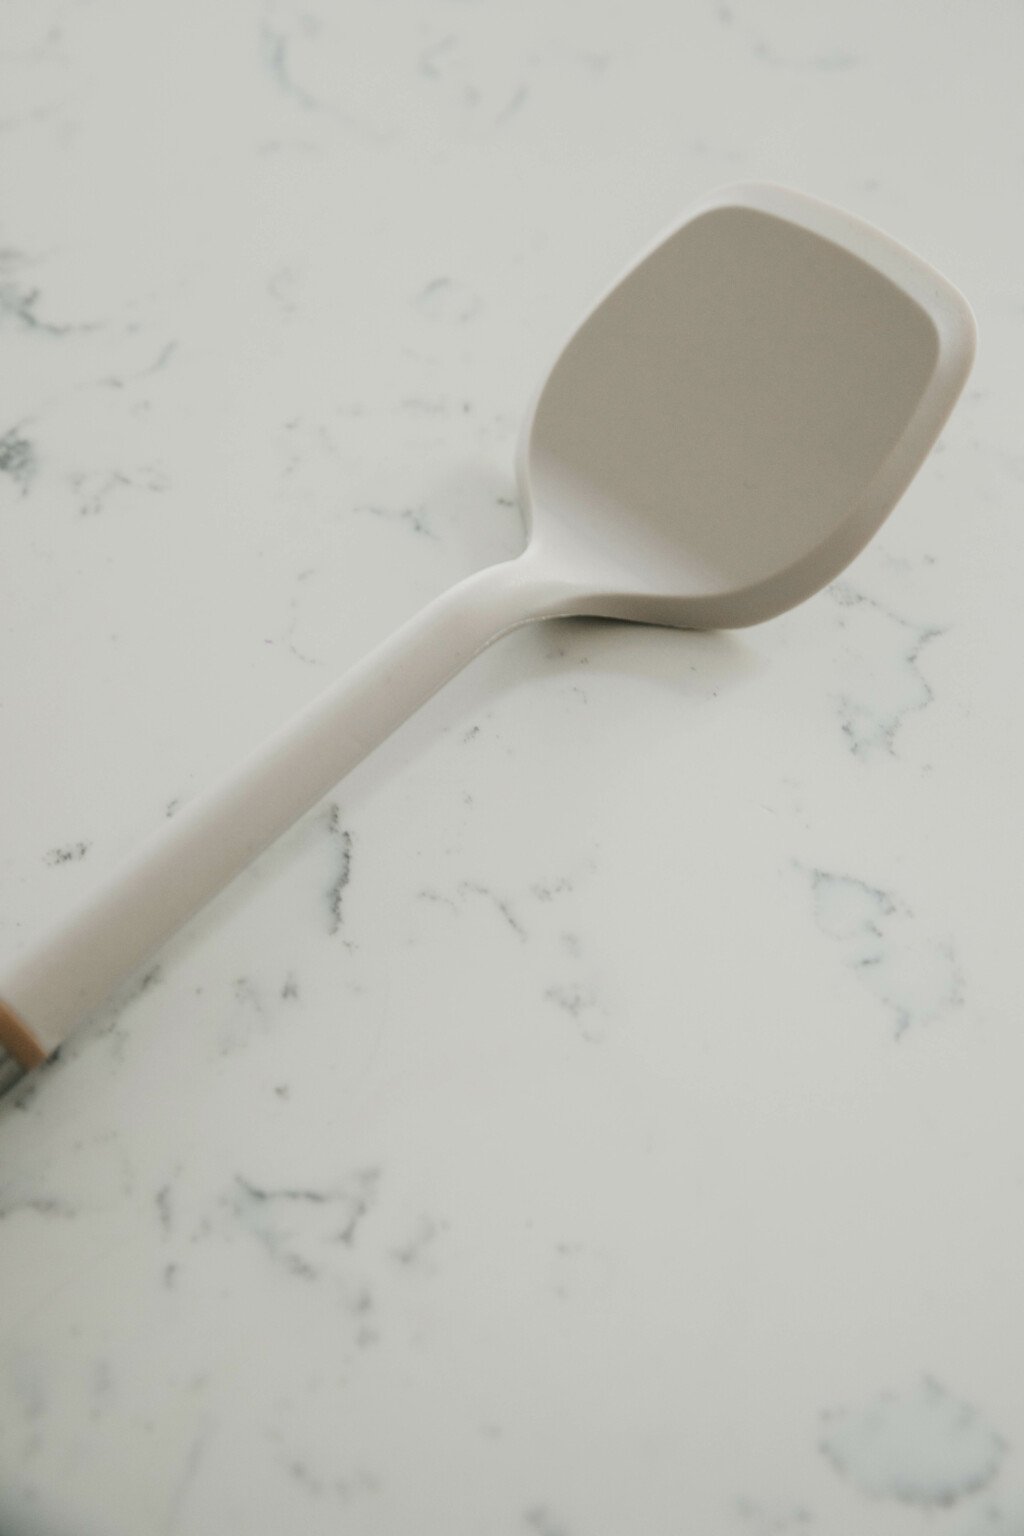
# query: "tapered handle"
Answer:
x=70 y=971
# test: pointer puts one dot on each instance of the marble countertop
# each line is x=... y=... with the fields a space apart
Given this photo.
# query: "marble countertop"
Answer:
x=603 y=1113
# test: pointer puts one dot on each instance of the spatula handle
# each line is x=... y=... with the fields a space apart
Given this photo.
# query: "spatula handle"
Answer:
x=67 y=973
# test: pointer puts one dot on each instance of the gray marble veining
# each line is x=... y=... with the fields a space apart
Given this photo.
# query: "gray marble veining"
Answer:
x=602 y=1113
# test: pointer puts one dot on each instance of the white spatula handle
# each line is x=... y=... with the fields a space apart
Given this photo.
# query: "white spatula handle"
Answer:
x=68 y=972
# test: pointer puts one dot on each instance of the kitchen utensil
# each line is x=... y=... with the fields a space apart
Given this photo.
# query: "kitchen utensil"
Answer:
x=723 y=433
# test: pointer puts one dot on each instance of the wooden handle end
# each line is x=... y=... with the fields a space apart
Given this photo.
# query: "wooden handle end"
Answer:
x=18 y=1040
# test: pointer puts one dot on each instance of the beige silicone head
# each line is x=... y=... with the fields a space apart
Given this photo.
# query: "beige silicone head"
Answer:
x=733 y=421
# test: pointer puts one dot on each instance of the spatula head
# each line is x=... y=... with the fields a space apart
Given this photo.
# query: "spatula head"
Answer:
x=733 y=421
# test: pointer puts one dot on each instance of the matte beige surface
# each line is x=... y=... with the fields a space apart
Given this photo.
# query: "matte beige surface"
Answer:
x=733 y=404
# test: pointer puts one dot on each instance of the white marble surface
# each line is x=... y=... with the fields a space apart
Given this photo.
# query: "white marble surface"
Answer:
x=603 y=1114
